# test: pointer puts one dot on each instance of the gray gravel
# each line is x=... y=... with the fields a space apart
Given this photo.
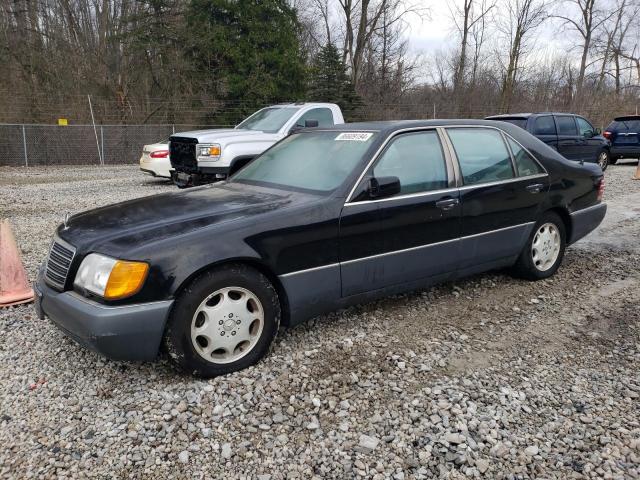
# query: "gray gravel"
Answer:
x=488 y=377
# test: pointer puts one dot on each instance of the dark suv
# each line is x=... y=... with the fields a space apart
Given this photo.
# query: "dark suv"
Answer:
x=624 y=135
x=571 y=135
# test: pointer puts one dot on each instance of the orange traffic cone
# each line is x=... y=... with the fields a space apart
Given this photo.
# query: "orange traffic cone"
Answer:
x=637 y=174
x=14 y=287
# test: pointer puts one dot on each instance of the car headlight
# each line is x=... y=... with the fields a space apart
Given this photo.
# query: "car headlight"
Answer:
x=212 y=150
x=110 y=278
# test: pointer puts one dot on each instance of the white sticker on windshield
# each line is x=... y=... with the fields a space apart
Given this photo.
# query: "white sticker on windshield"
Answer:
x=355 y=136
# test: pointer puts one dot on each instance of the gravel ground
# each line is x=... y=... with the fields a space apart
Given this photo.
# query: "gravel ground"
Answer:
x=487 y=377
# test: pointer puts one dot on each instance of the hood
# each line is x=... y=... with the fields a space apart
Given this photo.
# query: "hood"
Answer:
x=122 y=227
x=222 y=135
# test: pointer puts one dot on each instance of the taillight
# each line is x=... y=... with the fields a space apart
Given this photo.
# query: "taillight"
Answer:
x=600 y=189
x=159 y=154
x=607 y=134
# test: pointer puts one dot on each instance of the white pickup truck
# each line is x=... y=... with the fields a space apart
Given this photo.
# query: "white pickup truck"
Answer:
x=208 y=155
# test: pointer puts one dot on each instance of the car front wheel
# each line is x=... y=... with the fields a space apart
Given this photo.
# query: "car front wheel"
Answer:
x=543 y=253
x=224 y=321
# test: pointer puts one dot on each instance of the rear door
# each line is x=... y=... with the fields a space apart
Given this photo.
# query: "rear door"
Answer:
x=500 y=196
x=412 y=235
x=544 y=128
x=569 y=141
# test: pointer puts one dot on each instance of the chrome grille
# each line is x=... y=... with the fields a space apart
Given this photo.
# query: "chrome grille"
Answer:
x=58 y=263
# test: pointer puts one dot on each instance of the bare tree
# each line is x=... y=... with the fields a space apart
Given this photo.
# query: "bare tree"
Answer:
x=591 y=18
x=465 y=17
x=519 y=21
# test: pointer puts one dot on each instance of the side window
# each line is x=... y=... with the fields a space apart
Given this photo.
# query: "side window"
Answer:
x=417 y=160
x=322 y=115
x=544 y=126
x=482 y=155
x=584 y=127
x=566 y=125
x=525 y=164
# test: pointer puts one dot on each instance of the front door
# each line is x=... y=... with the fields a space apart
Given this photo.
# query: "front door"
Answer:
x=500 y=200
x=591 y=144
x=407 y=237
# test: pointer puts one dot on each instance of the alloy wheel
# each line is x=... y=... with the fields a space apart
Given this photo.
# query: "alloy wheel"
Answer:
x=545 y=247
x=227 y=325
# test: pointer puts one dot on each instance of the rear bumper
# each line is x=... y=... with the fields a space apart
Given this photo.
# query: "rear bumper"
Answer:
x=621 y=151
x=158 y=167
x=131 y=332
x=586 y=220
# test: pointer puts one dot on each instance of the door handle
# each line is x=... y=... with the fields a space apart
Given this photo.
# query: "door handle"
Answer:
x=535 y=188
x=447 y=203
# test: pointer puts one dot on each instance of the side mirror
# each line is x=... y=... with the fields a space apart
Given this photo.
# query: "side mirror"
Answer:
x=311 y=123
x=383 y=187
x=597 y=131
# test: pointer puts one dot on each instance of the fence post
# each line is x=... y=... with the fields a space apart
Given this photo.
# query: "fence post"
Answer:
x=102 y=142
x=173 y=129
x=24 y=146
x=434 y=110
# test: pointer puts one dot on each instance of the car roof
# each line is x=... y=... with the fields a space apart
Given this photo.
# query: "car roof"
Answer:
x=391 y=126
x=527 y=115
x=302 y=104
x=627 y=117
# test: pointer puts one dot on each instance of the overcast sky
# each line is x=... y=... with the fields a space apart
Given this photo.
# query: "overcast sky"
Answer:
x=436 y=32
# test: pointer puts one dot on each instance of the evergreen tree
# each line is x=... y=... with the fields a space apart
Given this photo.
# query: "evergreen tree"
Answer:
x=247 y=51
x=329 y=81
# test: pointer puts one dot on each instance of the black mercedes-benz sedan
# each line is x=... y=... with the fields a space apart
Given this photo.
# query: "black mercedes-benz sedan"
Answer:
x=323 y=219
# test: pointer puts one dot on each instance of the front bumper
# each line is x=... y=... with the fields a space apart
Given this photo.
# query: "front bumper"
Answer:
x=130 y=332
x=586 y=220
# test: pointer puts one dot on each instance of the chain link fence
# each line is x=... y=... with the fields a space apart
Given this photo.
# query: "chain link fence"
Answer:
x=31 y=145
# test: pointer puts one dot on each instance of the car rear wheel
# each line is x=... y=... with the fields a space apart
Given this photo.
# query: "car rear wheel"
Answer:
x=224 y=321
x=543 y=253
x=603 y=160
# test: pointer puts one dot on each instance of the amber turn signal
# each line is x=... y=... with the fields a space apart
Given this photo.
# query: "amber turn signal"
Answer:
x=126 y=279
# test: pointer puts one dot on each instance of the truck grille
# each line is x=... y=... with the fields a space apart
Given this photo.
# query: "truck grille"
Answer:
x=58 y=263
x=182 y=152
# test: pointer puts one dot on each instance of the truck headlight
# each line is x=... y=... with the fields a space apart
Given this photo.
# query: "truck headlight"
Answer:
x=110 y=278
x=212 y=150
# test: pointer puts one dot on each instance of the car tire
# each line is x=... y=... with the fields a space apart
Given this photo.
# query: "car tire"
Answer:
x=603 y=159
x=225 y=320
x=543 y=253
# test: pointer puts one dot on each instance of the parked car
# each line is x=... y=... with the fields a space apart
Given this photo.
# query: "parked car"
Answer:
x=624 y=135
x=155 y=160
x=571 y=135
x=324 y=219
x=208 y=155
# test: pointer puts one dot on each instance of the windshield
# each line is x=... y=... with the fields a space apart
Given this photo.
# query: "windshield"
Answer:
x=268 y=120
x=318 y=161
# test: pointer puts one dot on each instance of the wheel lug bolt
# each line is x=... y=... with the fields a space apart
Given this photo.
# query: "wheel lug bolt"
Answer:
x=238 y=322
x=222 y=333
x=220 y=322
x=233 y=333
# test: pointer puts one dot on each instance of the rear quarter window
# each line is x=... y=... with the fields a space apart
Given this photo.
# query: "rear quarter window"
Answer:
x=544 y=126
x=525 y=164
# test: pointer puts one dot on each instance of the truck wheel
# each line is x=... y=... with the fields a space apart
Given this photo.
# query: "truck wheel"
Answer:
x=543 y=253
x=224 y=321
x=603 y=160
